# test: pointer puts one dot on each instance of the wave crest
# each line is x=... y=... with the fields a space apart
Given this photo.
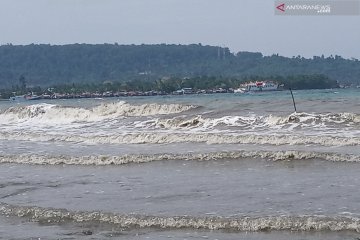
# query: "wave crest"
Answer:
x=209 y=138
x=142 y=158
x=54 y=113
x=253 y=121
x=241 y=224
x=315 y=118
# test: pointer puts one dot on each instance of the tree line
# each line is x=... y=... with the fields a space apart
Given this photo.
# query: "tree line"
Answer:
x=48 y=65
x=168 y=85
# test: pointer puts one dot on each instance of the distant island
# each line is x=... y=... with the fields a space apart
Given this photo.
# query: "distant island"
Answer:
x=162 y=67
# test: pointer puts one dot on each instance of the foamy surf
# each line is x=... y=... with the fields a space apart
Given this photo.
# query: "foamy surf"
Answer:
x=255 y=121
x=240 y=224
x=143 y=158
x=181 y=137
x=50 y=113
x=316 y=118
x=236 y=163
x=61 y=114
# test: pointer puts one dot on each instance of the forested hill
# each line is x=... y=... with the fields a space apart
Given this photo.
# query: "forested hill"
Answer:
x=47 y=65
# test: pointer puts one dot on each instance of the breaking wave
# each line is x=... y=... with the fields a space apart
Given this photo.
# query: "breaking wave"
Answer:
x=255 y=121
x=240 y=224
x=55 y=113
x=312 y=118
x=142 y=158
x=49 y=113
x=163 y=137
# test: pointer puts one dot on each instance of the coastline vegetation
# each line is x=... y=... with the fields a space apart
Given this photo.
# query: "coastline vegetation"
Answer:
x=52 y=65
x=84 y=68
x=164 y=86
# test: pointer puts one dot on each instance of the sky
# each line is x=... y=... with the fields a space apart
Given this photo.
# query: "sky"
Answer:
x=241 y=25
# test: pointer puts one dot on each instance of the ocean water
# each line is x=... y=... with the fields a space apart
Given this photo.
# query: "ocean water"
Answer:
x=221 y=166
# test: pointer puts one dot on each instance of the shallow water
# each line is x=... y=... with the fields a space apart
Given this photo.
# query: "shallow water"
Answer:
x=220 y=166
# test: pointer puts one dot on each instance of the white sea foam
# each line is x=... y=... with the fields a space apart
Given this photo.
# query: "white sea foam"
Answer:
x=143 y=158
x=62 y=114
x=254 y=121
x=164 y=137
x=241 y=224
x=59 y=114
x=315 y=118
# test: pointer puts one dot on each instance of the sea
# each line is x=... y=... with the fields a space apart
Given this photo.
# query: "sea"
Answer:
x=217 y=166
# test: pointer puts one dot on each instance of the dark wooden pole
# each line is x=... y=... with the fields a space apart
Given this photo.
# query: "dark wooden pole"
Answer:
x=293 y=99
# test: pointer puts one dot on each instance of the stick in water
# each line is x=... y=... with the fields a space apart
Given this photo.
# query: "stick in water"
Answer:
x=293 y=99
